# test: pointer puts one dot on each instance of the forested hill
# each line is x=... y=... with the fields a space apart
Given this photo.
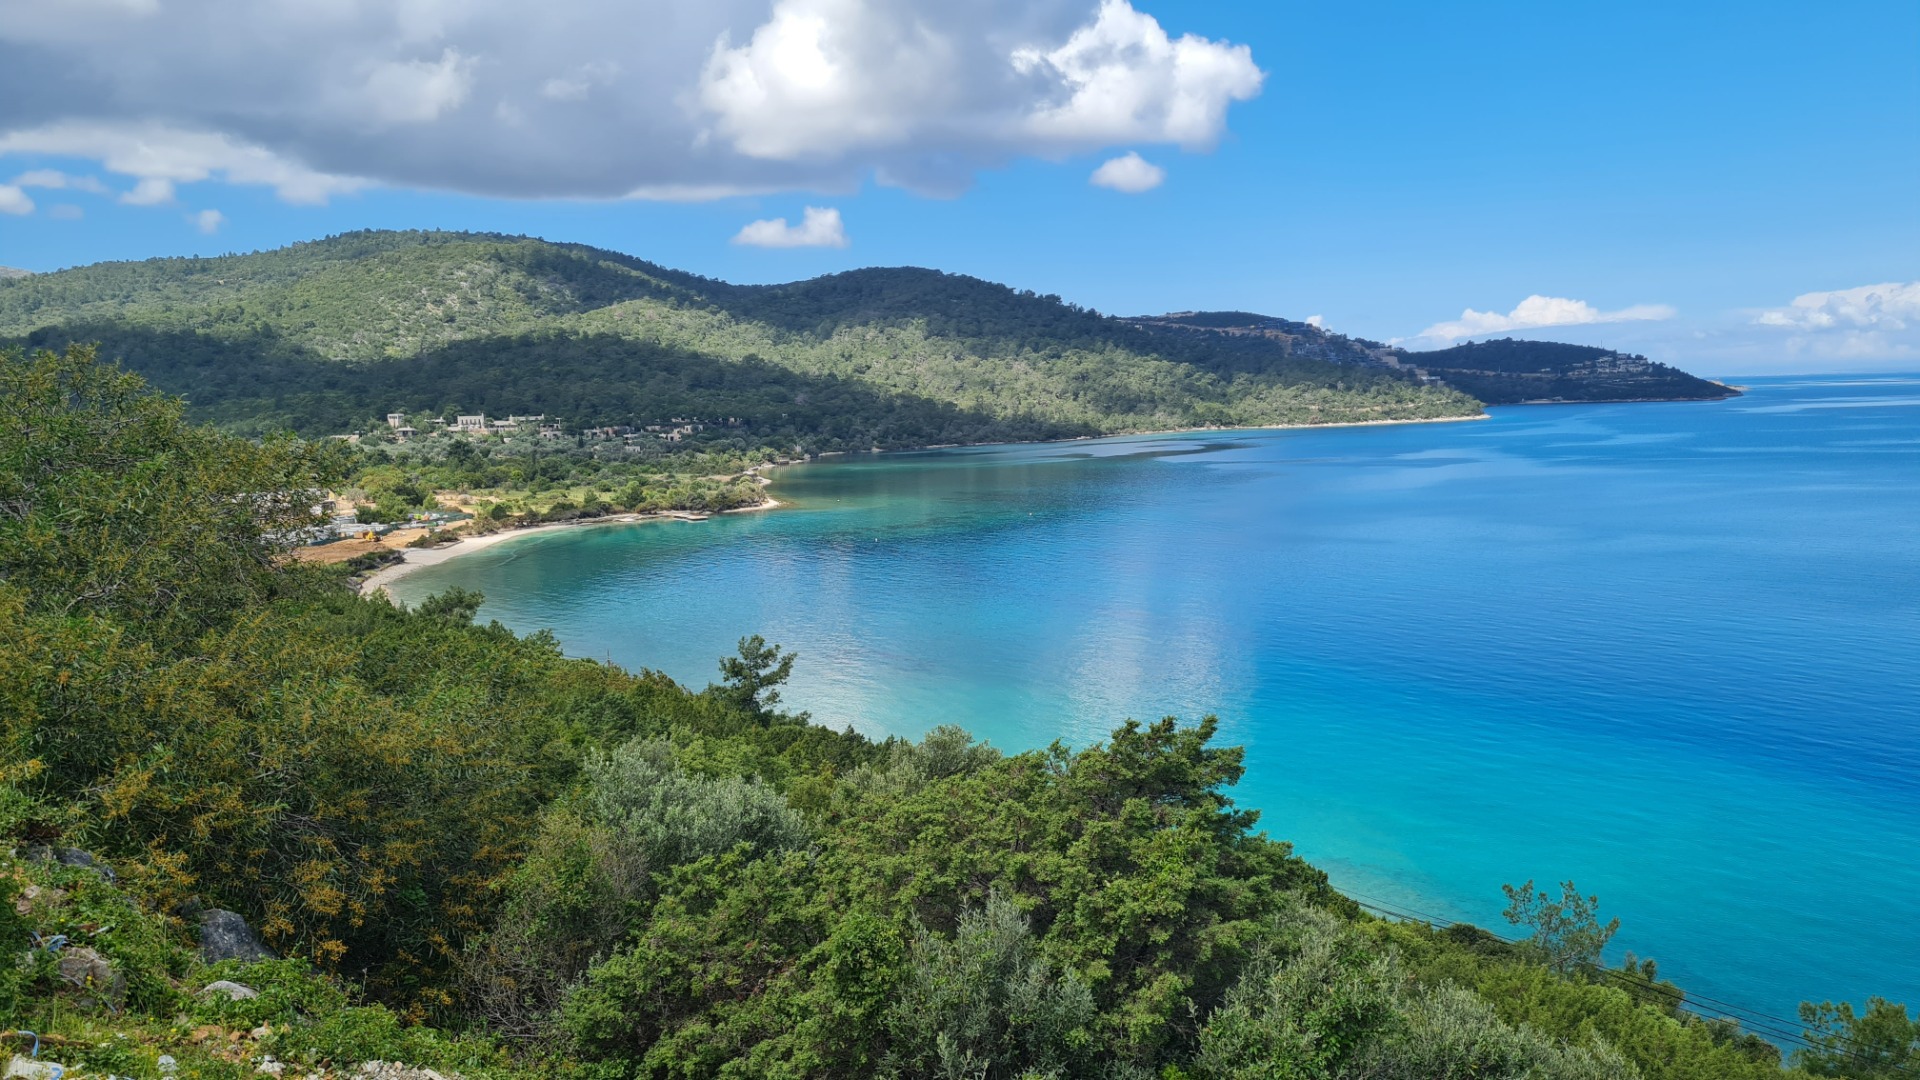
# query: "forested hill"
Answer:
x=322 y=337
x=1506 y=371
x=1252 y=338
x=1503 y=372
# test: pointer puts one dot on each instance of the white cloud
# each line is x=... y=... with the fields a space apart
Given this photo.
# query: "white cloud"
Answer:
x=693 y=193
x=819 y=227
x=14 y=201
x=208 y=221
x=1318 y=322
x=150 y=191
x=65 y=212
x=41 y=178
x=823 y=77
x=576 y=85
x=1129 y=82
x=1867 y=326
x=601 y=98
x=1129 y=173
x=418 y=91
x=56 y=180
x=1535 y=312
x=175 y=155
x=1893 y=306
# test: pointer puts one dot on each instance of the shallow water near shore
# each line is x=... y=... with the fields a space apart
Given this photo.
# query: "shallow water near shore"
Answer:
x=1667 y=650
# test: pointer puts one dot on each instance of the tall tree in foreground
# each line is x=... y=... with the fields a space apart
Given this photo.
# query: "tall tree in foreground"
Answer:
x=1567 y=931
x=112 y=504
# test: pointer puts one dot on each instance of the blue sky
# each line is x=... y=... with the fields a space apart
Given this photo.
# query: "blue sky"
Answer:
x=1663 y=177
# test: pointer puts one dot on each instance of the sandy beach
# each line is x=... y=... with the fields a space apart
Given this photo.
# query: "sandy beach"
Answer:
x=415 y=558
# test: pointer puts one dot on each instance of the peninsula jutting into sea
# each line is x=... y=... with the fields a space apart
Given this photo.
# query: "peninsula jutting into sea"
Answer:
x=1007 y=540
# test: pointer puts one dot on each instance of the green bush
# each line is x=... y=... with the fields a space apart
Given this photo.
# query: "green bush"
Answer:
x=116 y=1055
x=291 y=991
x=984 y=1004
x=1322 y=1002
x=77 y=904
x=592 y=871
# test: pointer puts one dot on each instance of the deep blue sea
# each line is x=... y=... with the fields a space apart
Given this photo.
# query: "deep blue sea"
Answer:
x=1670 y=651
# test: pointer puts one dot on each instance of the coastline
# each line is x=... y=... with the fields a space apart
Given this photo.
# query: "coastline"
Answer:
x=1733 y=392
x=416 y=558
x=1228 y=427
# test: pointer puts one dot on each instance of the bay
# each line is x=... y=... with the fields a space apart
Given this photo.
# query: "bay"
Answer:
x=1668 y=650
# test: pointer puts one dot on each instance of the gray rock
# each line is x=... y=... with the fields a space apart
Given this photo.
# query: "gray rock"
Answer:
x=34 y=894
x=226 y=936
x=393 y=1070
x=68 y=856
x=234 y=991
x=88 y=971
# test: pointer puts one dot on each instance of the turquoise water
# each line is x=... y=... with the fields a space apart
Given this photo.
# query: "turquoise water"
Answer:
x=1667 y=650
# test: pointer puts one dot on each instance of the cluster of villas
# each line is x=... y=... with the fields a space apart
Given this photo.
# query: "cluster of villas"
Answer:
x=478 y=424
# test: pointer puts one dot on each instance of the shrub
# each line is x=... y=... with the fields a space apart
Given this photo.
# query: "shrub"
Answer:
x=986 y=1005
x=593 y=868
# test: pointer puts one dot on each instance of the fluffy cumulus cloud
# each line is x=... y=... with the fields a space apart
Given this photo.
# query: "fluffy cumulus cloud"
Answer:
x=1867 y=323
x=14 y=201
x=1129 y=173
x=1128 y=81
x=1535 y=312
x=208 y=221
x=600 y=98
x=819 y=227
x=1894 y=306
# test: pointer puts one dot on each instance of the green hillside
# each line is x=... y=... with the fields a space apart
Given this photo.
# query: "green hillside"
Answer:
x=322 y=337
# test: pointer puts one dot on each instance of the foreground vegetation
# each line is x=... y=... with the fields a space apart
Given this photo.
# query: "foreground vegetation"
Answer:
x=477 y=855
